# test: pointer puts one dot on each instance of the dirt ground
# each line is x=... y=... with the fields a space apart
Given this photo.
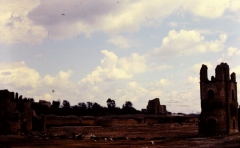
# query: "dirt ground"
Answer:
x=141 y=136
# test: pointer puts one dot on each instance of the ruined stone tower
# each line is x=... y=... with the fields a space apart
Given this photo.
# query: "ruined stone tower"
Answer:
x=154 y=107
x=218 y=101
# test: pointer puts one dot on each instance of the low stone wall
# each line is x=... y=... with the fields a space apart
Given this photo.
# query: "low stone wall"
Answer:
x=52 y=120
x=89 y=120
x=129 y=120
x=118 y=121
x=125 y=122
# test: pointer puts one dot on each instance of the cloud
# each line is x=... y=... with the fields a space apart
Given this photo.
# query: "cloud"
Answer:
x=34 y=20
x=173 y=24
x=29 y=83
x=162 y=83
x=231 y=55
x=234 y=5
x=233 y=51
x=236 y=70
x=187 y=42
x=194 y=80
x=18 y=74
x=108 y=70
x=114 y=68
x=196 y=67
x=114 y=79
x=134 y=64
x=15 y=26
x=120 y=41
x=64 y=20
x=208 y=9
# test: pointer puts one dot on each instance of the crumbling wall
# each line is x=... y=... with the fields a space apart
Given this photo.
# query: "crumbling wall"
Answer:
x=125 y=122
x=6 y=101
x=45 y=103
x=154 y=107
x=15 y=113
x=218 y=101
x=13 y=127
x=52 y=120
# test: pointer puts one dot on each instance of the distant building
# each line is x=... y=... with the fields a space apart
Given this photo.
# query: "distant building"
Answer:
x=218 y=101
x=154 y=107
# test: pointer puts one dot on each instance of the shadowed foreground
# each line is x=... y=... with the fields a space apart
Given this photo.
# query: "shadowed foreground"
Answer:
x=163 y=135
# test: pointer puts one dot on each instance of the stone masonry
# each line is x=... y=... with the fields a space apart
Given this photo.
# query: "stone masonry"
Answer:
x=218 y=101
x=15 y=113
x=154 y=107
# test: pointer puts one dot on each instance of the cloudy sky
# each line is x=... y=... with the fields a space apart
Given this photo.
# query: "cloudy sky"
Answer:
x=128 y=50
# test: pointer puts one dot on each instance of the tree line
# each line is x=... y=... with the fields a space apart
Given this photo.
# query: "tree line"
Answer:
x=85 y=109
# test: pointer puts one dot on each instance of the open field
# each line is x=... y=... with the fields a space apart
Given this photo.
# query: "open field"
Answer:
x=163 y=135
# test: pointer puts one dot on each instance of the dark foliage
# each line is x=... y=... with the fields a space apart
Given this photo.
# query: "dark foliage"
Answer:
x=85 y=109
x=111 y=103
x=65 y=104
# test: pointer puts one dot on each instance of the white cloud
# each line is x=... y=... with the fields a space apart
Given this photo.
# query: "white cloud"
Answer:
x=231 y=55
x=18 y=77
x=233 y=51
x=111 y=17
x=196 y=67
x=47 y=97
x=108 y=70
x=162 y=83
x=173 y=24
x=120 y=41
x=18 y=74
x=157 y=67
x=206 y=8
x=15 y=26
x=235 y=5
x=187 y=42
x=194 y=80
x=134 y=64
x=33 y=20
x=119 y=89
x=121 y=86
x=236 y=70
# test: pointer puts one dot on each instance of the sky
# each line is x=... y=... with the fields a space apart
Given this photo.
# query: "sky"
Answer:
x=126 y=50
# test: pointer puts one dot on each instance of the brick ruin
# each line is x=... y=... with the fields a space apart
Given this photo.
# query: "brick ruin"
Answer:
x=17 y=116
x=15 y=113
x=154 y=107
x=218 y=101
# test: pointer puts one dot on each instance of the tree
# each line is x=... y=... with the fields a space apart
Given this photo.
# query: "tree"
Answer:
x=143 y=110
x=55 y=104
x=82 y=105
x=66 y=104
x=111 y=103
x=128 y=108
x=96 y=106
x=89 y=105
x=31 y=100
x=128 y=104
